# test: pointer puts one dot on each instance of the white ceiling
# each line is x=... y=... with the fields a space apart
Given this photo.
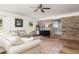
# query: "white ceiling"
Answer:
x=25 y=9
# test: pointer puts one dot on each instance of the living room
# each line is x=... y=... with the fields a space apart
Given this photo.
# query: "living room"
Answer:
x=39 y=28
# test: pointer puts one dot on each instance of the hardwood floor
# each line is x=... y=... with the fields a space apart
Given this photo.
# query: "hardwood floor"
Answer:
x=2 y=50
x=50 y=45
x=69 y=46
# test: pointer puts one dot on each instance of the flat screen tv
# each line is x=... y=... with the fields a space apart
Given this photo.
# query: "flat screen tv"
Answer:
x=45 y=33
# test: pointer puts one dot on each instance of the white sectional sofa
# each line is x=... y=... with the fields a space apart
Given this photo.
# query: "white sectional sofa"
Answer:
x=29 y=46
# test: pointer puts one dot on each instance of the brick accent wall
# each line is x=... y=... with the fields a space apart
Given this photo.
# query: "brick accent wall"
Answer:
x=70 y=28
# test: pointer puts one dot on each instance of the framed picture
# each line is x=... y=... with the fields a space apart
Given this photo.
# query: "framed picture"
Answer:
x=18 y=22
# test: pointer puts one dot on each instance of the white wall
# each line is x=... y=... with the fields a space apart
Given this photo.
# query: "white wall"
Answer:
x=60 y=16
x=67 y=15
x=9 y=22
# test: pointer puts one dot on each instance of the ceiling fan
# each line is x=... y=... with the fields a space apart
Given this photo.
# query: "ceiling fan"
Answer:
x=40 y=7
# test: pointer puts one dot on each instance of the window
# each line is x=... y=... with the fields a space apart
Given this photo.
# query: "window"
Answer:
x=30 y=26
x=57 y=26
x=0 y=24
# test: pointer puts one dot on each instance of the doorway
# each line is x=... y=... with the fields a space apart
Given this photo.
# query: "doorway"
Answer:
x=57 y=26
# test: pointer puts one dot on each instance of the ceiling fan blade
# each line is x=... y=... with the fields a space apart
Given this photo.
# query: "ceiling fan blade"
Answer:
x=42 y=10
x=46 y=8
x=35 y=10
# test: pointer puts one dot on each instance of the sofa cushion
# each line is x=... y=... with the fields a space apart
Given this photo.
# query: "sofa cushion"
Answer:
x=17 y=41
x=22 y=33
